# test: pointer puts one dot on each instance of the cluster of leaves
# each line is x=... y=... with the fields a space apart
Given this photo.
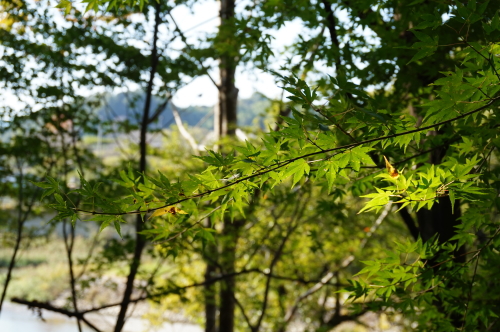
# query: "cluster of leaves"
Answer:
x=308 y=135
x=451 y=179
x=95 y=5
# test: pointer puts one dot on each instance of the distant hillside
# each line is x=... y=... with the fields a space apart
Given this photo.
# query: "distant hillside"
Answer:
x=129 y=106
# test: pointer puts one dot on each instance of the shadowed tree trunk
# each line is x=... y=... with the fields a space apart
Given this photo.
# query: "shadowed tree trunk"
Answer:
x=19 y=235
x=225 y=121
x=210 y=295
x=228 y=96
x=441 y=219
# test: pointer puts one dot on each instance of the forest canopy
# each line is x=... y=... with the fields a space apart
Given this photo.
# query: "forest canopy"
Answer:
x=366 y=194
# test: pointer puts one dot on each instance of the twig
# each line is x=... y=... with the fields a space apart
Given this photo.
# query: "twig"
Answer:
x=184 y=39
x=197 y=284
x=196 y=223
x=331 y=274
x=492 y=64
x=68 y=244
x=470 y=293
x=292 y=227
x=19 y=235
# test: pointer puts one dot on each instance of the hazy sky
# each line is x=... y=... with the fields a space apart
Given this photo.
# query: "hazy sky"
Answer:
x=247 y=81
x=196 y=23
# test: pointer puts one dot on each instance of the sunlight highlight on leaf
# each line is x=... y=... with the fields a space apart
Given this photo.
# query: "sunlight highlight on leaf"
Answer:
x=169 y=209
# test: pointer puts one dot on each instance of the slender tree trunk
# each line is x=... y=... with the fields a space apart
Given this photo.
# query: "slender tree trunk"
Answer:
x=229 y=239
x=68 y=243
x=210 y=291
x=225 y=121
x=228 y=93
x=19 y=235
x=12 y=263
x=140 y=239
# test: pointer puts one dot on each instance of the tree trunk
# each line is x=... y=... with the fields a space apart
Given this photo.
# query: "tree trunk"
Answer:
x=228 y=93
x=440 y=219
x=210 y=291
x=225 y=121
x=140 y=241
x=19 y=235
x=229 y=239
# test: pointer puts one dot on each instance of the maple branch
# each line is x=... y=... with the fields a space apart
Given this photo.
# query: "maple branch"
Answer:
x=159 y=109
x=282 y=164
x=193 y=225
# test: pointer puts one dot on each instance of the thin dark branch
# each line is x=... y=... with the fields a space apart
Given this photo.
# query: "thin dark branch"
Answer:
x=184 y=40
x=193 y=225
x=275 y=217
x=331 y=274
x=68 y=243
x=108 y=109
x=175 y=290
x=140 y=240
x=89 y=255
x=465 y=264
x=291 y=228
x=159 y=110
x=148 y=283
x=421 y=153
x=19 y=235
x=470 y=294
x=21 y=219
x=337 y=320
x=330 y=19
x=240 y=306
x=492 y=63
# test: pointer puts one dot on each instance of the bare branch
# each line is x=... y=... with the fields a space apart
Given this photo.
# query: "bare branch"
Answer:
x=184 y=39
x=331 y=274
x=159 y=110
x=298 y=213
x=183 y=131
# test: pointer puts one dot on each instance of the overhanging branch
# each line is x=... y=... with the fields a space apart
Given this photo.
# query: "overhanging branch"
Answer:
x=282 y=164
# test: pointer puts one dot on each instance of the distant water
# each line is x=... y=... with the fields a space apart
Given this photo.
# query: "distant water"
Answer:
x=18 y=318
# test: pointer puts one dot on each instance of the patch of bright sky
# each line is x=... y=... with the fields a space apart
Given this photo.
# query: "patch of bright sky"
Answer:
x=200 y=20
x=249 y=80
